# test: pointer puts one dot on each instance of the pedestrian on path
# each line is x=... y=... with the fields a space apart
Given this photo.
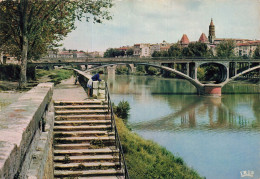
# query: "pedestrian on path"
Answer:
x=96 y=77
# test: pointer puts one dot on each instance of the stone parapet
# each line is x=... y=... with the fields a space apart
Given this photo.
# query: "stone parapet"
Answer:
x=20 y=123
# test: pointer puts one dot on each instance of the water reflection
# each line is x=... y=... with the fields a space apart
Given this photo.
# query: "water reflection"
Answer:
x=207 y=114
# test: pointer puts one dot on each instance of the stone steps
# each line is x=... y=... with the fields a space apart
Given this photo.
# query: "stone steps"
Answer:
x=71 y=146
x=81 y=122
x=81 y=107
x=86 y=158
x=91 y=140
x=82 y=117
x=84 y=146
x=80 y=112
x=89 y=166
x=86 y=173
x=81 y=128
x=82 y=133
x=85 y=152
x=95 y=102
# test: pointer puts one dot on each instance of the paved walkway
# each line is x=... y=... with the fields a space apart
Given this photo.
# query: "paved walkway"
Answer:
x=67 y=91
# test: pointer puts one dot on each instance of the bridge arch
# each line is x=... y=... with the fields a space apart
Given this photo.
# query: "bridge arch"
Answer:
x=194 y=82
x=223 y=68
x=239 y=74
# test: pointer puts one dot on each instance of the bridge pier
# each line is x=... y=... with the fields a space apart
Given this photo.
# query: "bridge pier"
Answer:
x=111 y=70
x=133 y=68
x=210 y=90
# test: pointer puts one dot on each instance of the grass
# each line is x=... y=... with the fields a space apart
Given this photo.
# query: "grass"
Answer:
x=56 y=76
x=146 y=159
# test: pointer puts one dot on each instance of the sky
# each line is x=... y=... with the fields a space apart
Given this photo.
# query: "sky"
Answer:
x=152 y=21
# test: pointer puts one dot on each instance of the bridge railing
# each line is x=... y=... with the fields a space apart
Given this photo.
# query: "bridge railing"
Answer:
x=136 y=59
x=122 y=162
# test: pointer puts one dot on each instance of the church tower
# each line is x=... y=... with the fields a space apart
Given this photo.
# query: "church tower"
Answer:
x=211 y=32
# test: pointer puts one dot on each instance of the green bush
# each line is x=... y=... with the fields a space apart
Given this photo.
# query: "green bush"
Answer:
x=121 y=70
x=152 y=71
x=201 y=74
x=122 y=109
x=140 y=69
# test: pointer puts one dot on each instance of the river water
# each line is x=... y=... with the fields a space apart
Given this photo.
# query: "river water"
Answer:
x=218 y=137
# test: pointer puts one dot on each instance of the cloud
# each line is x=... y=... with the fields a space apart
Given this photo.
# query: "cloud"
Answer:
x=137 y=21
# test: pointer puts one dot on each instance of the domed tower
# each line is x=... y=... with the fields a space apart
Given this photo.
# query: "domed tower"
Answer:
x=211 y=32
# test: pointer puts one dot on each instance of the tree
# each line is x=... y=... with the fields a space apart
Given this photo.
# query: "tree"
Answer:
x=122 y=53
x=198 y=49
x=130 y=52
x=109 y=53
x=30 y=27
x=257 y=52
x=226 y=49
x=186 y=52
x=175 y=50
x=156 y=54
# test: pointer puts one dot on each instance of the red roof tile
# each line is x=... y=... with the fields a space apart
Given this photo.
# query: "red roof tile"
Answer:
x=185 y=39
x=203 y=38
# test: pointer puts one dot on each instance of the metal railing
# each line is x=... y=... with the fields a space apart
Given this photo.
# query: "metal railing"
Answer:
x=122 y=162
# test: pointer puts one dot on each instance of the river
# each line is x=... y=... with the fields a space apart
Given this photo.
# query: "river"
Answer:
x=217 y=136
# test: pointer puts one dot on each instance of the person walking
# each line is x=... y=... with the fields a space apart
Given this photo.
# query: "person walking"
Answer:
x=96 y=77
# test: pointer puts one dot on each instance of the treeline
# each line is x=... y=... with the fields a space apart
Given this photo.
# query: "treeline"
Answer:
x=196 y=49
x=224 y=49
x=113 y=52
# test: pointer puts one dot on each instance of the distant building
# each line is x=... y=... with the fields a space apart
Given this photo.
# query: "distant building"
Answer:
x=219 y=40
x=247 y=48
x=137 y=50
x=212 y=35
x=124 y=48
x=203 y=39
x=79 y=54
x=164 y=48
x=154 y=47
x=184 y=40
x=95 y=54
x=65 y=54
x=145 y=50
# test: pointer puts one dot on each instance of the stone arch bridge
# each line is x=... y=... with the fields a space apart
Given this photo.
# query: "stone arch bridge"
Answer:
x=187 y=68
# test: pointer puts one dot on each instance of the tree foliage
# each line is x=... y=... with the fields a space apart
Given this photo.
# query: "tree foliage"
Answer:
x=130 y=52
x=113 y=52
x=226 y=49
x=28 y=28
x=257 y=52
x=175 y=50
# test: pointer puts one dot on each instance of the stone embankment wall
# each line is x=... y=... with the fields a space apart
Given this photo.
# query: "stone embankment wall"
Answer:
x=26 y=135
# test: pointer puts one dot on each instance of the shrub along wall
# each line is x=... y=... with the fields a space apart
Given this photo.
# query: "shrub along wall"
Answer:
x=11 y=72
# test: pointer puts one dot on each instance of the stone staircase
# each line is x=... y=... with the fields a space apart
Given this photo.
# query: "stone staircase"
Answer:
x=84 y=146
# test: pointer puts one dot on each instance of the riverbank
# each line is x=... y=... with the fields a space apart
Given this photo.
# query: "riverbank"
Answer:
x=42 y=76
x=146 y=159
